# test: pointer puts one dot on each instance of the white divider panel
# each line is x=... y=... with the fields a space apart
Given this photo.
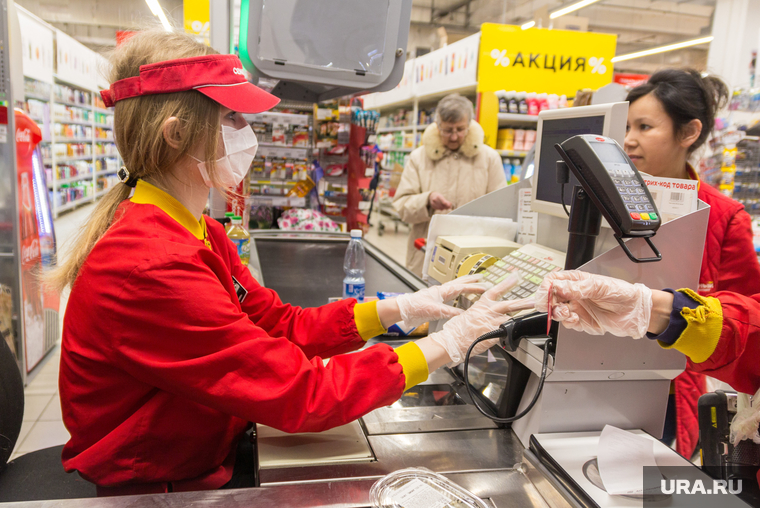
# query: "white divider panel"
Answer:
x=36 y=48
x=449 y=68
x=76 y=63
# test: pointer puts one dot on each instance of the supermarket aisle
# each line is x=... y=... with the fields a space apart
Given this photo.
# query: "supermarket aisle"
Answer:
x=42 y=426
x=390 y=241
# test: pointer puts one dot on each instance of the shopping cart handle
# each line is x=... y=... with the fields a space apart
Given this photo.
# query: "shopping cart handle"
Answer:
x=419 y=244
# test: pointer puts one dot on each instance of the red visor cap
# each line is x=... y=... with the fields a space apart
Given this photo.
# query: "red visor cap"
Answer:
x=218 y=77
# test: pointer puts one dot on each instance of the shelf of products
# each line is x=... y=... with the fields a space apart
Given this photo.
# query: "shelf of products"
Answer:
x=73 y=204
x=77 y=145
x=281 y=173
x=517 y=119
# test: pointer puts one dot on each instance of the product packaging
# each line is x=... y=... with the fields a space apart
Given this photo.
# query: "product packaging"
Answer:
x=400 y=329
x=418 y=486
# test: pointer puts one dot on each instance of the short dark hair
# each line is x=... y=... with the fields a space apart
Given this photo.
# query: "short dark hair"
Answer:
x=686 y=95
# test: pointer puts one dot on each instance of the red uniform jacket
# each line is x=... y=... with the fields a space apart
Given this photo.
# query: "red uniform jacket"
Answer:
x=736 y=358
x=729 y=263
x=162 y=368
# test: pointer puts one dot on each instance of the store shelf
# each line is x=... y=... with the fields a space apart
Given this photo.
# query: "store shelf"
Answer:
x=405 y=150
x=73 y=204
x=104 y=111
x=68 y=159
x=105 y=156
x=71 y=140
x=72 y=179
x=104 y=125
x=76 y=122
x=36 y=118
x=514 y=119
x=395 y=129
x=98 y=140
x=103 y=192
x=273 y=182
x=106 y=172
x=512 y=153
x=291 y=201
x=37 y=97
x=72 y=104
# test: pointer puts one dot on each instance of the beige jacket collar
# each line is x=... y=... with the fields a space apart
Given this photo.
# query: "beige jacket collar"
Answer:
x=436 y=150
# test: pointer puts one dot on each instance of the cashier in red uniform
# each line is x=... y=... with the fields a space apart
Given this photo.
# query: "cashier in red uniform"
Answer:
x=170 y=348
x=669 y=118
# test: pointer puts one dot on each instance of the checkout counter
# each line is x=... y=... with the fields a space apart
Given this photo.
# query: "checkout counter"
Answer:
x=543 y=460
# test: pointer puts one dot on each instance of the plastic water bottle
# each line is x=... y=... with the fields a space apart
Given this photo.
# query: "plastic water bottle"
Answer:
x=354 y=266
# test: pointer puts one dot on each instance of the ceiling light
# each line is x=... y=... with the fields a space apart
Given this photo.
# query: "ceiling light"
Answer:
x=663 y=49
x=529 y=24
x=157 y=11
x=571 y=8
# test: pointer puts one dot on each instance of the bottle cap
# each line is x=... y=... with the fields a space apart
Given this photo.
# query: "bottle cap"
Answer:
x=356 y=233
x=229 y=214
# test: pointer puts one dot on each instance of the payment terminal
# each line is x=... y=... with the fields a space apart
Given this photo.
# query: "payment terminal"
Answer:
x=610 y=186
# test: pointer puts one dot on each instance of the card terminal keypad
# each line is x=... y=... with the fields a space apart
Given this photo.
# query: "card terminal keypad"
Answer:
x=635 y=198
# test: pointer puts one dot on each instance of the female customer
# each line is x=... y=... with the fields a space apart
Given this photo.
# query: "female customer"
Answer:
x=170 y=348
x=669 y=118
x=451 y=168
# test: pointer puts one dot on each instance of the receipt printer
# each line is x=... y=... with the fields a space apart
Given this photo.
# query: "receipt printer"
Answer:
x=450 y=252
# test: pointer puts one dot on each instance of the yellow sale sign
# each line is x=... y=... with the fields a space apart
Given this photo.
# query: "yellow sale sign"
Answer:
x=542 y=60
x=196 y=14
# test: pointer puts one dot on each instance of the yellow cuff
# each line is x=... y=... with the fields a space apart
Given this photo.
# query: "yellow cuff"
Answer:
x=367 y=321
x=703 y=327
x=413 y=362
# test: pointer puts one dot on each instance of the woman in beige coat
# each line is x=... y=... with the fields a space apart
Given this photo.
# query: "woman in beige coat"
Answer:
x=451 y=168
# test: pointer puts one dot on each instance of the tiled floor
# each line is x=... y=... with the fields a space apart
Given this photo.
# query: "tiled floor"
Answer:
x=42 y=426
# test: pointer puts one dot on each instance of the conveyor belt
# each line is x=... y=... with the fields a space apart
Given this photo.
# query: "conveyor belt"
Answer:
x=306 y=272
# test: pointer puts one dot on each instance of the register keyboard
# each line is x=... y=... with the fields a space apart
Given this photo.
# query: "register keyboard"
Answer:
x=533 y=262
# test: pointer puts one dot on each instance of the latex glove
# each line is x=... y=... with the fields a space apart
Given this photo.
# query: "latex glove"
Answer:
x=429 y=304
x=745 y=423
x=596 y=304
x=484 y=316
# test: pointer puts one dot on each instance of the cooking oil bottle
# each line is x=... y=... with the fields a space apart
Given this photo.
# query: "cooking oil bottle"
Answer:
x=240 y=237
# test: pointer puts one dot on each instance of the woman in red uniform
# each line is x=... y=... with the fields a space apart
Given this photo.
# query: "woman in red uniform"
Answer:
x=669 y=118
x=170 y=348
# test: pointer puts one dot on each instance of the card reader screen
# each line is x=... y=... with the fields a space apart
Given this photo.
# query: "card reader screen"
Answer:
x=607 y=152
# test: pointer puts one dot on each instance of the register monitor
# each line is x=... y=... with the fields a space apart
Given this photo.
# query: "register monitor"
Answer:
x=558 y=125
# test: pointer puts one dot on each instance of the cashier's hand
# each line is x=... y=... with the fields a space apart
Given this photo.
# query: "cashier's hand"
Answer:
x=484 y=316
x=596 y=304
x=430 y=304
x=438 y=202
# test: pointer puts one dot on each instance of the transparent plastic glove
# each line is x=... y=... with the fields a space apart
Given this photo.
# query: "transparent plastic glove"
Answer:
x=484 y=316
x=429 y=304
x=745 y=422
x=596 y=304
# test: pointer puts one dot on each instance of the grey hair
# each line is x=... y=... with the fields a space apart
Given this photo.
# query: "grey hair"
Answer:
x=453 y=108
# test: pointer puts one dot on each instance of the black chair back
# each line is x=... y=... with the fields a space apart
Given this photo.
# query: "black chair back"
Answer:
x=11 y=402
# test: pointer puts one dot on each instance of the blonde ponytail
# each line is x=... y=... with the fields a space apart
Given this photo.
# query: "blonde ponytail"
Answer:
x=138 y=133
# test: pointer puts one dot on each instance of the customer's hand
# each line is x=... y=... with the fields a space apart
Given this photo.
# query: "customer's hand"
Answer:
x=596 y=304
x=438 y=202
x=429 y=304
x=485 y=315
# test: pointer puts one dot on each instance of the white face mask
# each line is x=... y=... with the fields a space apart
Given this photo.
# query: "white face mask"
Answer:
x=239 y=148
